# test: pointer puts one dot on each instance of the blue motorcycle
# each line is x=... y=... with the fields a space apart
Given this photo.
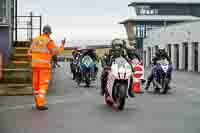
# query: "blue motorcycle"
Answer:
x=86 y=71
x=162 y=76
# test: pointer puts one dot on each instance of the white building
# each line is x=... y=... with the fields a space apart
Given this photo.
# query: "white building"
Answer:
x=182 y=41
x=6 y=25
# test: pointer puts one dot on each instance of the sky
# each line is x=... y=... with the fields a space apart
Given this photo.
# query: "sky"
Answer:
x=80 y=19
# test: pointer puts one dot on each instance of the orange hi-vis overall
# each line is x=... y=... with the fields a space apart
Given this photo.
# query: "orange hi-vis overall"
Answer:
x=40 y=53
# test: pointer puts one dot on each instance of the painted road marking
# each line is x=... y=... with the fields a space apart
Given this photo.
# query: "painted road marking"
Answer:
x=52 y=100
x=193 y=92
x=62 y=99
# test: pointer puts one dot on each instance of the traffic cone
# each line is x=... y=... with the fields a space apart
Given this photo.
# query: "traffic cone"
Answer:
x=136 y=86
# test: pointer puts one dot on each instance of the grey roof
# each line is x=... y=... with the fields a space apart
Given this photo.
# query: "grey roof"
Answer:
x=89 y=46
x=161 y=18
x=99 y=46
x=135 y=2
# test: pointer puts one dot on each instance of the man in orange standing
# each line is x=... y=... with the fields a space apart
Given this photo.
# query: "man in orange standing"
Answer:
x=40 y=53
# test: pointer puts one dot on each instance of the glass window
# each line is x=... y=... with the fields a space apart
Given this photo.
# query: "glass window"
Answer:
x=156 y=11
x=147 y=12
x=2 y=8
x=142 y=11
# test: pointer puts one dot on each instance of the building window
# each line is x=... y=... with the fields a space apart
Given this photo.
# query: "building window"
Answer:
x=140 y=31
x=2 y=8
x=156 y=48
x=147 y=11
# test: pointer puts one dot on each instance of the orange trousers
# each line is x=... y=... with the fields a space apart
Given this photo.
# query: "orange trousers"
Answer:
x=41 y=78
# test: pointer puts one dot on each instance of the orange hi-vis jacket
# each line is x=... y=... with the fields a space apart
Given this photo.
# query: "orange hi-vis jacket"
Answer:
x=42 y=50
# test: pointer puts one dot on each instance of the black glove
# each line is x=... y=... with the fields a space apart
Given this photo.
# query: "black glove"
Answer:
x=64 y=41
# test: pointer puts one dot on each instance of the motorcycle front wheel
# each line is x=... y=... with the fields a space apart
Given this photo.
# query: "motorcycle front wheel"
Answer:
x=121 y=98
x=78 y=78
x=165 y=86
x=73 y=75
x=87 y=79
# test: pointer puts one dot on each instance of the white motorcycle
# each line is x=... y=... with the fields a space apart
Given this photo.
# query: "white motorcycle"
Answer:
x=118 y=83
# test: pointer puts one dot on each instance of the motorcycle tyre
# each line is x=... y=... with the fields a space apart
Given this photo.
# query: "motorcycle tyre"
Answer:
x=122 y=96
x=87 y=80
x=156 y=90
x=73 y=76
x=78 y=79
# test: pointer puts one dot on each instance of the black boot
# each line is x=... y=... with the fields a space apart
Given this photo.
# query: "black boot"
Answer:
x=149 y=80
x=147 y=86
x=130 y=91
x=102 y=88
x=45 y=107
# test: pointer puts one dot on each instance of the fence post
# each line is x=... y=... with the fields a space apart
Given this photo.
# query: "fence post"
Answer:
x=40 y=24
x=31 y=15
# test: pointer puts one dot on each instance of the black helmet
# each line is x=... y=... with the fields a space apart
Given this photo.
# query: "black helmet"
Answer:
x=47 y=29
x=160 y=52
x=117 y=42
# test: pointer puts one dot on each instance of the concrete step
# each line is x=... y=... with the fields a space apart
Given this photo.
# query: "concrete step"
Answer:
x=22 y=75
x=15 y=89
x=17 y=52
x=20 y=62
x=22 y=44
x=18 y=59
x=16 y=65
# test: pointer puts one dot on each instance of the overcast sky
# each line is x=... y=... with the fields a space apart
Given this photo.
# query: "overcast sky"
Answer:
x=81 y=19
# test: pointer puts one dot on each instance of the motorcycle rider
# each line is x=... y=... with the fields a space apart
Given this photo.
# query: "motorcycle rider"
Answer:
x=105 y=62
x=117 y=50
x=75 y=55
x=159 y=55
x=92 y=54
x=132 y=54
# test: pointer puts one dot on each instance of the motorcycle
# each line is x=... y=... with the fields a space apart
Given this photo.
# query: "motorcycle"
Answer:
x=85 y=73
x=118 y=82
x=161 y=76
x=73 y=67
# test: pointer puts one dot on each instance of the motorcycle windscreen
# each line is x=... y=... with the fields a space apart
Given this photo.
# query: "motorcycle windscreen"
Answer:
x=164 y=65
x=121 y=68
x=87 y=61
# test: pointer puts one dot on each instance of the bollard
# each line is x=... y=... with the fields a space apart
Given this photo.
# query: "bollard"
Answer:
x=137 y=76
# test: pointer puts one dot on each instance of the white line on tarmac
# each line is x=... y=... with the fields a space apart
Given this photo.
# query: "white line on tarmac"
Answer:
x=50 y=102
x=54 y=100
x=191 y=89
